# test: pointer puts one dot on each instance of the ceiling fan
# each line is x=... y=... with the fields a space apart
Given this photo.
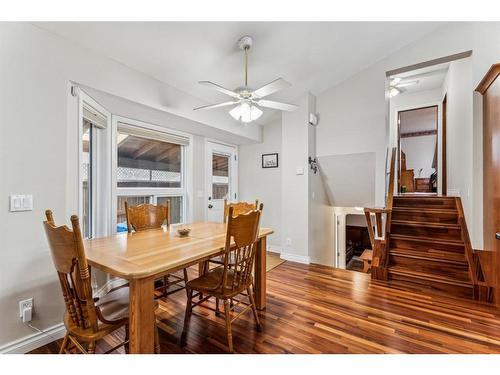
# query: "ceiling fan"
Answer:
x=397 y=85
x=247 y=101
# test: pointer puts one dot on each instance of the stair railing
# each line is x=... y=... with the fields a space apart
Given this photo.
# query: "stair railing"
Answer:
x=378 y=221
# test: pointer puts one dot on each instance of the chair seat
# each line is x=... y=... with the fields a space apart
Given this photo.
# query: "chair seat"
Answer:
x=209 y=283
x=114 y=305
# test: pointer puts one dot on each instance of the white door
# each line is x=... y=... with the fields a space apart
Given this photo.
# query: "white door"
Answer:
x=222 y=177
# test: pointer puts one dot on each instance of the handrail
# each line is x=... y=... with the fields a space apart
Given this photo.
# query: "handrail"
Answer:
x=380 y=241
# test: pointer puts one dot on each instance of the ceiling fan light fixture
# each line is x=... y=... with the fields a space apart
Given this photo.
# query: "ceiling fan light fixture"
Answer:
x=245 y=112
x=393 y=91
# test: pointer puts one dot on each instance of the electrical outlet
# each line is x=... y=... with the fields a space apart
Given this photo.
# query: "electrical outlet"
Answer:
x=288 y=241
x=24 y=306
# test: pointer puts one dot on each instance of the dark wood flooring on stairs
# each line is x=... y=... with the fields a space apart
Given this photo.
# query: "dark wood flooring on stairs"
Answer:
x=317 y=309
x=427 y=248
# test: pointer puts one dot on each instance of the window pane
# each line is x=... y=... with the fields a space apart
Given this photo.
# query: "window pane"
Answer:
x=87 y=178
x=121 y=220
x=220 y=176
x=176 y=208
x=220 y=165
x=146 y=162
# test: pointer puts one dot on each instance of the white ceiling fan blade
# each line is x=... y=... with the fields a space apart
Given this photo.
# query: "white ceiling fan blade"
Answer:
x=277 y=105
x=271 y=88
x=220 y=88
x=407 y=83
x=210 y=106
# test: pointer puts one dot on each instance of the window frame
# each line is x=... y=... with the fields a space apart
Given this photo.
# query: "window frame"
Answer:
x=99 y=224
x=153 y=192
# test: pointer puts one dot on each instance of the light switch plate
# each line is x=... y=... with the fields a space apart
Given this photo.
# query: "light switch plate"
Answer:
x=299 y=171
x=21 y=202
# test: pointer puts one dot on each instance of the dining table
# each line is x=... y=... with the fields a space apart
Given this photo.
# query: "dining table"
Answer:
x=142 y=257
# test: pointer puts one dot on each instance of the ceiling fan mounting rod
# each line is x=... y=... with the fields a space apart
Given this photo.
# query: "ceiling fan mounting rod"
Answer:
x=245 y=42
x=246 y=65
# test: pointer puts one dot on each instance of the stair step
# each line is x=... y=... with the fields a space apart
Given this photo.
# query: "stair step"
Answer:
x=434 y=215
x=457 y=271
x=425 y=202
x=423 y=244
x=428 y=278
x=425 y=229
x=431 y=255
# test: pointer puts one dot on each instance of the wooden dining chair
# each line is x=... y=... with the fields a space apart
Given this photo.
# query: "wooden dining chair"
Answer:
x=148 y=216
x=238 y=208
x=87 y=318
x=232 y=279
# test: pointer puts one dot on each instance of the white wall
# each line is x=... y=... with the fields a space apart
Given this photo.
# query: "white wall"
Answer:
x=35 y=70
x=419 y=153
x=294 y=195
x=263 y=184
x=459 y=143
x=320 y=212
x=354 y=112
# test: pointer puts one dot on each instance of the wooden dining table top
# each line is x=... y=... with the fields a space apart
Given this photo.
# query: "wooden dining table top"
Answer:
x=156 y=251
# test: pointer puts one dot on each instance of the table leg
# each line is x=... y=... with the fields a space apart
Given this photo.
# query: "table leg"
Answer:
x=260 y=274
x=141 y=316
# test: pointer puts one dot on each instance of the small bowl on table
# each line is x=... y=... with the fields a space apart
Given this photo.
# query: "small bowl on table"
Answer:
x=183 y=231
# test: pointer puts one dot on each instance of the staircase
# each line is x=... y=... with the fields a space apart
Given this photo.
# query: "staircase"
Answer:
x=427 y=246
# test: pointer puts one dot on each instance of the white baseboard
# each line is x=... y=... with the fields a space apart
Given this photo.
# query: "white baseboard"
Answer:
x=34 y=341
x=295 y=258
x=274 y=249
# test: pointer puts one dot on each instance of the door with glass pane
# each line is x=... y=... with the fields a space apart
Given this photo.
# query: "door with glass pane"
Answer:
x=222 y=177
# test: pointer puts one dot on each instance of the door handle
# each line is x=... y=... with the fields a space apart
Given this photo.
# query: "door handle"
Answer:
x=210 y=206
x=497 y=235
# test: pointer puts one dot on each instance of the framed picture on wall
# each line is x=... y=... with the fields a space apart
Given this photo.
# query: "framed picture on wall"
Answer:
x=270 y=160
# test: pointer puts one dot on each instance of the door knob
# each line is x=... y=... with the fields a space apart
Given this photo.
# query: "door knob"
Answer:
x=497 y=235
x=210 y=206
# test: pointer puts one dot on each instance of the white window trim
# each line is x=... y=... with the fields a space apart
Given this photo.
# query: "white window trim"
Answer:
x=186 y=189
x=100 y=221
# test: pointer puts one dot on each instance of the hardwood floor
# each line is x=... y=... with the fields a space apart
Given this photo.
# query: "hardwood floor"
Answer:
x=317 y=309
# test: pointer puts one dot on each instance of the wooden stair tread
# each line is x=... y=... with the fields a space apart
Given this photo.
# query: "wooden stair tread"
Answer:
x=438 y=256
x=426 y=224
x=424 y=196
x=426 y=239
x=425 y=209
x=428 y=277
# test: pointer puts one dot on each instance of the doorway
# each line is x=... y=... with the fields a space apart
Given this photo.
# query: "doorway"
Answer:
x=418 y=150
x=222 y=178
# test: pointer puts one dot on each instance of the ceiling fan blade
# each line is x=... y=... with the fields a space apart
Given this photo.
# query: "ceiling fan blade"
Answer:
x=210 y=106
x=277 y=105
x=220 y=88
x=271 y=88
x=406 y=83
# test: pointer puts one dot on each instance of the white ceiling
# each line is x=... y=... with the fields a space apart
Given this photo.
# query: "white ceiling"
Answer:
x=429 y=78
x=311 y=55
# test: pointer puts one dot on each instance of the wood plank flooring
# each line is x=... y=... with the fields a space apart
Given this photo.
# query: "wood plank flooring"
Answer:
x=317 y=309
